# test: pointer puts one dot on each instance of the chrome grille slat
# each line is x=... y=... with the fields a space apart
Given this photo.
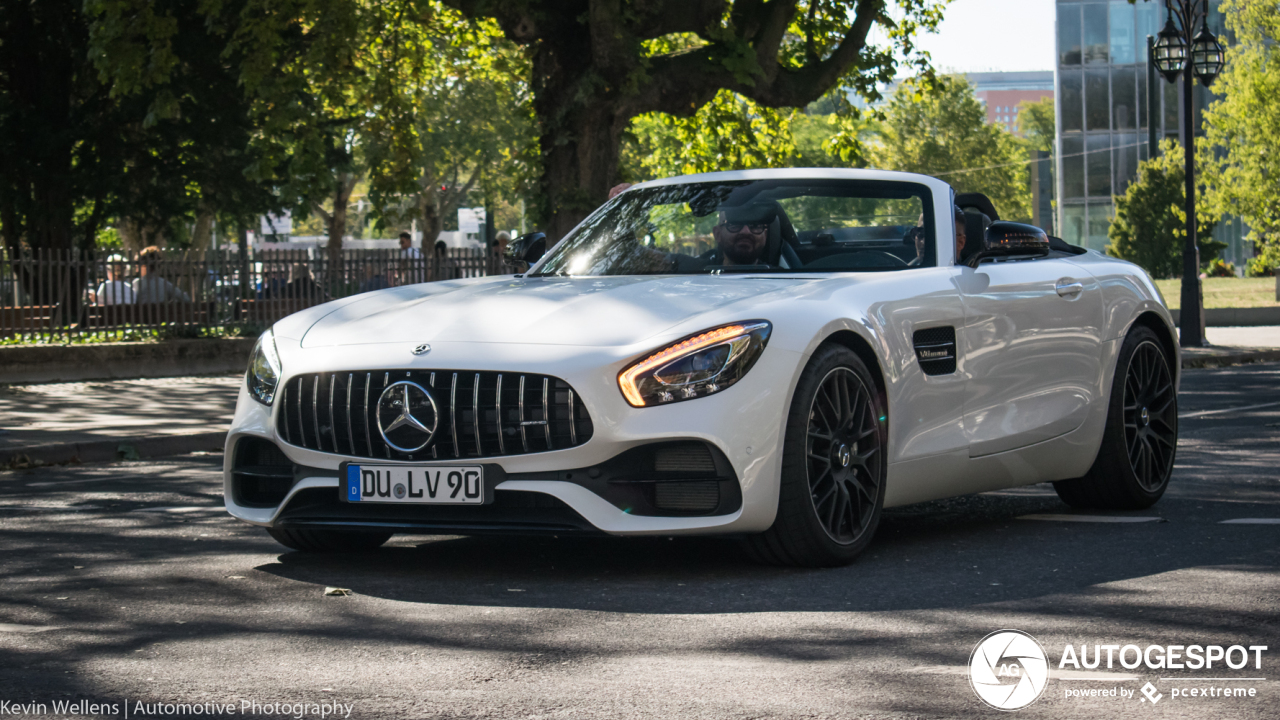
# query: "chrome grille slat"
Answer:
x=524 y=437
x=303 y=402
x=333 y=419
x=475 y=412
x=453 y=414
x=546 y=413
x=315 y=411
x=351 y=438
x=368 y=439
x=573 y=424
x=502 y=450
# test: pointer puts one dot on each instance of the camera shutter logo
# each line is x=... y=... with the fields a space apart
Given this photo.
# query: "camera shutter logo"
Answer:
x=1008 y=670
x=407 y=416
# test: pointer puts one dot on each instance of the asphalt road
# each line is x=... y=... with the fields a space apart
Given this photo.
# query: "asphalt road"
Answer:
x=127 y=583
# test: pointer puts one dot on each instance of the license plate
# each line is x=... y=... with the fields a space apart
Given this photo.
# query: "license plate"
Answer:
x=436 y=485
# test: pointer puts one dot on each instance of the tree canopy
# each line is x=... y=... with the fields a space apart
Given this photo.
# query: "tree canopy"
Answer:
x=1150 y=224
x=940 y=129
x=1242 y=128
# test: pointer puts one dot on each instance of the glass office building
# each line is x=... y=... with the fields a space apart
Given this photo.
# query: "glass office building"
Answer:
x=1101 y=91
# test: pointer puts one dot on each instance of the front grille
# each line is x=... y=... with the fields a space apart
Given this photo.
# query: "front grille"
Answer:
x=480 y=414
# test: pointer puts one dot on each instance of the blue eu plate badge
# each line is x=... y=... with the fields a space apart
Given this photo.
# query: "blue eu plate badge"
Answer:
x=353 y=483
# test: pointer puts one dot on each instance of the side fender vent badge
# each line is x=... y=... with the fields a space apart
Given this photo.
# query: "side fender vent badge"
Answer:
x=936 y=350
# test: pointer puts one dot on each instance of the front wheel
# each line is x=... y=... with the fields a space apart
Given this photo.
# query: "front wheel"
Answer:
x=833 y=466
x=1135 y=460
x=324 y=540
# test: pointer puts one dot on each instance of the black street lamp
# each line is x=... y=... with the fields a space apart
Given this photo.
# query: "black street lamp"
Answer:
x=1173 y=47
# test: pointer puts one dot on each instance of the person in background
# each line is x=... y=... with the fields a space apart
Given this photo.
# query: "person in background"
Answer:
x=445 y=267
x=114 y=291
x=407 y=250
x=375 y=278
x=150 y=287
x=302 y=286
x=960 y=234
x=618 y=189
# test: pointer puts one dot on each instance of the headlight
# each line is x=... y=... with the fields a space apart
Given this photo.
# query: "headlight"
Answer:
x=264 y=369
x=695 y=367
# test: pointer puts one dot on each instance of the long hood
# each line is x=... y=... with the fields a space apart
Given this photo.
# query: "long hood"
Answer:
x=595 y=311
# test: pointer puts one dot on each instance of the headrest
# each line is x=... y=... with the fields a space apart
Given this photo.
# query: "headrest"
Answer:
x=751 y=213
x=975 y=234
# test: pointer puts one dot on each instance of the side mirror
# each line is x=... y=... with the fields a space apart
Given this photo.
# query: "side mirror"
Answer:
x=527 y=249
x=1011 y=239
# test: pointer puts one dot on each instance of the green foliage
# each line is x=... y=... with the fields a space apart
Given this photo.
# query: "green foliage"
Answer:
x=728 y=133
x=939 y=128
x=1150 y=224
x=1036 y=123
x=1265 y=263
x=1242 y=128
x=1220 y=268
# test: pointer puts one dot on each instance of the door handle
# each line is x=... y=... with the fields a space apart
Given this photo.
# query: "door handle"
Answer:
x=1069 y=287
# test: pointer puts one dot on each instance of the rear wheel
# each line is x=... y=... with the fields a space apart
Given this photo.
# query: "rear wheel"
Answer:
x=323 y=540
x=833 y=466
x=1135 y=460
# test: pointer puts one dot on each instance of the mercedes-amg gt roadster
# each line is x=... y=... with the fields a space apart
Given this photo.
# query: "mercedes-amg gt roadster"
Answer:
x=775 y=355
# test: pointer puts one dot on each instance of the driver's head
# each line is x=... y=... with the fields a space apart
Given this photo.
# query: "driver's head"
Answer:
x=960 y=232
x=743 y=232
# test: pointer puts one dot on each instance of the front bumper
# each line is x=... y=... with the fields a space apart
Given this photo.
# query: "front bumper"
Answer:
x=551 y=491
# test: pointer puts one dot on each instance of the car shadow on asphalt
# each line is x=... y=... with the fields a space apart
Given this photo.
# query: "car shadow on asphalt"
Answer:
x=946 y=554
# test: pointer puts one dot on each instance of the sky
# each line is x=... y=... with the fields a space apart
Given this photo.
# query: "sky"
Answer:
x=993 y=35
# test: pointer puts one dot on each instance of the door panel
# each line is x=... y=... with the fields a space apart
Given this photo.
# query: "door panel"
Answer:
x=1030 y=351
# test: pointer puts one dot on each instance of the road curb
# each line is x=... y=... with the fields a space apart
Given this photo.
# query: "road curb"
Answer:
x=133 y=448
x=1214 y=357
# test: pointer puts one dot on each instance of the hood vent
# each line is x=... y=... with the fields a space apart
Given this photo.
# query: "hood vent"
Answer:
x=936 y=350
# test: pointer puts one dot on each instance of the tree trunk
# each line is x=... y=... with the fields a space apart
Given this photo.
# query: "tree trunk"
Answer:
x=429 y=208
x=338 y=229
x=580 y=142
x=203 y=232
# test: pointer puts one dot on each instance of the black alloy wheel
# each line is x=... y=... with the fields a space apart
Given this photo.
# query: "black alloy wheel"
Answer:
x=1140 y=440
x=844 y=456
x=832 y=483
x=1150 y=416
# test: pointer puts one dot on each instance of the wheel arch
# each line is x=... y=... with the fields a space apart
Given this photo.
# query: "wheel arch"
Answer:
x=867 y=355
x=1168 y=340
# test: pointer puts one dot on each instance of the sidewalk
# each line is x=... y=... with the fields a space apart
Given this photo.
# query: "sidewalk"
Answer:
x=113 y=419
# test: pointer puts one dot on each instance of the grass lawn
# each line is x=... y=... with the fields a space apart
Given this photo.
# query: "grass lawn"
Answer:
x=1225 y=292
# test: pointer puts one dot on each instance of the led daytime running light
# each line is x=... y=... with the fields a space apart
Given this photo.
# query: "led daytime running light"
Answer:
x=628 y=379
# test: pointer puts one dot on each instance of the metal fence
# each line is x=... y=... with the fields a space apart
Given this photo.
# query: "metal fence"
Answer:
x=52 y=295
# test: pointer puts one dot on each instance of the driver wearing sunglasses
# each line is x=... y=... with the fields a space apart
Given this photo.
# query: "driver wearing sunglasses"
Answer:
x=743 y=233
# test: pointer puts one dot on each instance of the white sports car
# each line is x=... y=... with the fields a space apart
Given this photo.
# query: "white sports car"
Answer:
x=775 y=354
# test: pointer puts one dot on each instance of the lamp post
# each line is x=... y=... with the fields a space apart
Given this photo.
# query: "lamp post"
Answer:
x=1179 y=54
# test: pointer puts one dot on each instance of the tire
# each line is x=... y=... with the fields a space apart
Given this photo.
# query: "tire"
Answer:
x=1135 y=460
x=320 y=540
x=833 y=468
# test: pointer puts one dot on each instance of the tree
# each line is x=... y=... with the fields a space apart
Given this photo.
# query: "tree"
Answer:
x=596 y=64
x=1242 y=129
x=1036 y=123
x=939 y=128
x=1150 y=224
x=470 y=123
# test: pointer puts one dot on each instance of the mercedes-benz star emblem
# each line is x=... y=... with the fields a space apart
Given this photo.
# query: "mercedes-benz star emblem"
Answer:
x=422 y=349
x=407 y=416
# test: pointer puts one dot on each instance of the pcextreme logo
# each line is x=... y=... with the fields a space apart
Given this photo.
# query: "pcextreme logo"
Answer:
x=1008 y=670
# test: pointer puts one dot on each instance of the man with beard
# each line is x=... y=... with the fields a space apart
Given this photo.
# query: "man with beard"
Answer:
x=742 y=234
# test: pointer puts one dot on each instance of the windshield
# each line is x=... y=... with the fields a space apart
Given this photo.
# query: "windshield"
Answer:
x=754 y=226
